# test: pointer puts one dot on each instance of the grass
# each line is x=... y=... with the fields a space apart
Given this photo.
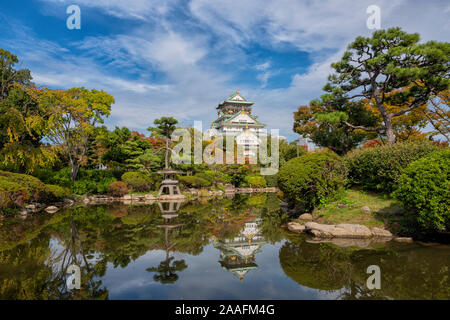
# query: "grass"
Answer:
x=383 y=209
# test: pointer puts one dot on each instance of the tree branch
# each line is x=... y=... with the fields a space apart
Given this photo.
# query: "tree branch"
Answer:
x=362 y=127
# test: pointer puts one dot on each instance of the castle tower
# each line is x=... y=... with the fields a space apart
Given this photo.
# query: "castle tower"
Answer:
x=235 y=119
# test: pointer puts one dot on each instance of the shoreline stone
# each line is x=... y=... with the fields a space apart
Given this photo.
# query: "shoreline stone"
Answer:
x=295 y=227
x=345 y=230
x=306 y=217
x=51 y=209
x=404 y=239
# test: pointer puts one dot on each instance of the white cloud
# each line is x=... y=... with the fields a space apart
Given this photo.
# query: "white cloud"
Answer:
x=187 y=52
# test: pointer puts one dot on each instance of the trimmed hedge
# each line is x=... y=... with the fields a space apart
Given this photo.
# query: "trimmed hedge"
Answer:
x=117 y=189
x=18 y=189
x=424 y=189
x=379 y=168
x=256 y=181
x=138 y=181
x=194 y=181
x=308 y=179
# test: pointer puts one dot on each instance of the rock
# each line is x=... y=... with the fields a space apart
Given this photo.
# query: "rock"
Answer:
x=31 y=207
x=366 y=209
x=306 y=217
x=404 y=239
x=295 y=227
x=347 y=242
x=338 y=231
x=127 y=197
x=68 y=202
x=51 y=209
x=229 y=188
x=341 y=205
x=23 y=212
x=137 y=197
x=149 y=197
x=381 y=233
x=86 y=200
x=284 y=204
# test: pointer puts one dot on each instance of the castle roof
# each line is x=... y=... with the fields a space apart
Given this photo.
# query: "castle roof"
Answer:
x=227 y=119
x=235 y=98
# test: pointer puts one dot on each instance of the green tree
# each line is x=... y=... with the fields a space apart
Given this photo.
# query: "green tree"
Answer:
x=23 y=122
x=74 y=114
x=164 y=127
x=376 y=68
x=322 y=123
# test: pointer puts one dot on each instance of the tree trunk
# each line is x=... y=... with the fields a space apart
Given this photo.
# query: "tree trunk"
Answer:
x=389 y=130
x=166 y=158
x=74 y=172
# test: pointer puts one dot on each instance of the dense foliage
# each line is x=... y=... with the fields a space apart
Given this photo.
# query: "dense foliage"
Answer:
x=117 y=189
x=256 y=181
x=424 y=190
x=379 y=168
x=18 y=189
x=137 y=181
x=308 y=179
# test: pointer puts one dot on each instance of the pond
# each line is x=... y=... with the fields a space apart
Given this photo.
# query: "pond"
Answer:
x=216 y=249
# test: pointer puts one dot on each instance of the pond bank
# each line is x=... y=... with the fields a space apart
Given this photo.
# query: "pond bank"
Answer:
x=188 y=195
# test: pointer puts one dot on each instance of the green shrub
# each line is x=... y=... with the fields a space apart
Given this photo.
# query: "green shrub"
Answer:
x=55 y=193
x=88 y=181
x=117 y=189
x=17 y=189
x=256 y=181
x=424 y=190
x=271 y=180
x=379 y=168
x=137 y=181
x=208 y=175
x=308 y=179
x=194 y=181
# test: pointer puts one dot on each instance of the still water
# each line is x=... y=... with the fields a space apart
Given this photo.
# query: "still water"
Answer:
x=218 y=249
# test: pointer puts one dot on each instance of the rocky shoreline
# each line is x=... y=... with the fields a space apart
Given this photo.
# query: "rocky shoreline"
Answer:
x=344 y=234
x=144 y=198
x=190 y=193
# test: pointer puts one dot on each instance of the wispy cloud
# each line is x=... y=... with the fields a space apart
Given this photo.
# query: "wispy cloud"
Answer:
x=180 y=59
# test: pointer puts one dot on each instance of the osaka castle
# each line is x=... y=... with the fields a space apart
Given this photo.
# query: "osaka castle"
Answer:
x=235 y=119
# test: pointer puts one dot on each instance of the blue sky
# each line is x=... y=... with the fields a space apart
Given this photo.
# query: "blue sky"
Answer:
x=181 y=58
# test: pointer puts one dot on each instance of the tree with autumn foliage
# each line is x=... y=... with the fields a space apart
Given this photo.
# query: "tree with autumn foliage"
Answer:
x=438 y=113
x=393 y=70
x=23 y=122
x=74 y=114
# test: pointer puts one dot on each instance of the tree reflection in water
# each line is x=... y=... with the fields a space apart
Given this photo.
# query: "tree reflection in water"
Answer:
x=35 y=253
x=166 y=270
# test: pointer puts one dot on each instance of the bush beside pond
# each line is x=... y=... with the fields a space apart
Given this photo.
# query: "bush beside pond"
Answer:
x=424 y=189
x=138 y=181
x=18 y=189
x=379 y=168
x=308 y=179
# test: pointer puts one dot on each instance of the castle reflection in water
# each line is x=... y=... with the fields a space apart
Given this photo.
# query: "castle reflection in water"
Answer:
x=238 y=254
